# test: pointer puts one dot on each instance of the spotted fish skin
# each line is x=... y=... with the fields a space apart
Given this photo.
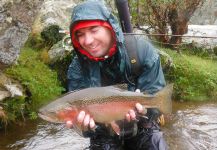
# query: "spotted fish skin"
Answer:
x=104 y=104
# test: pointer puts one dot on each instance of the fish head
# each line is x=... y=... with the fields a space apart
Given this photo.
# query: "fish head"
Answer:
x=59 y=116
x=50 y=117
x=62 y=116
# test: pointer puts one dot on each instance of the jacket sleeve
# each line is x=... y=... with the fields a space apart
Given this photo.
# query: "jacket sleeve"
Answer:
x=152 y=78
x=75 y=76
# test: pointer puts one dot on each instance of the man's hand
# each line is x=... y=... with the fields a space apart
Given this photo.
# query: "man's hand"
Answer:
x=87 y=122
x=131 y=115
x=84 y=120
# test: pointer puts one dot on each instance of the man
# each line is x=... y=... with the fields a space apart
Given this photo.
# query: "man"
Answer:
x=101 y=60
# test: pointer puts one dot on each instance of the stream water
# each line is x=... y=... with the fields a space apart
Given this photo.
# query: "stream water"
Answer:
x=192 y=127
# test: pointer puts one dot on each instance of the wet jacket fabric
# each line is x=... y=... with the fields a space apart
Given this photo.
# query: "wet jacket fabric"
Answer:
x=84 y=73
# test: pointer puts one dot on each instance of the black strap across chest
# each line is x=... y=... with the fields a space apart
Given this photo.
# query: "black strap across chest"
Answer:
x=132 y=51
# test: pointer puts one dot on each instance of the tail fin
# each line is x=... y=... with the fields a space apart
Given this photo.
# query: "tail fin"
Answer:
x=165 y=105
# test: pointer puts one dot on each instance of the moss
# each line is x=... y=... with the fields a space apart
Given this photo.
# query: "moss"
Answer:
x=35 y=42
x=51 y=35
x=46 y=39
x=41 y=82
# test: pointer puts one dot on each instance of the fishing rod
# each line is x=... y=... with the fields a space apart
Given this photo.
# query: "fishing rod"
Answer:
x=124 y=15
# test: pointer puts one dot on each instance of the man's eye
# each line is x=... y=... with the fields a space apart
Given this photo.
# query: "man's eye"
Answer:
x=94 y=29
x=79 y=34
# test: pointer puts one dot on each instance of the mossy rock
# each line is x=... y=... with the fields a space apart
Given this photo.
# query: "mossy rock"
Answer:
x=51 y=35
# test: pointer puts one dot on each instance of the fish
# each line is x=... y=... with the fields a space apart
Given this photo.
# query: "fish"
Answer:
x=104 y=104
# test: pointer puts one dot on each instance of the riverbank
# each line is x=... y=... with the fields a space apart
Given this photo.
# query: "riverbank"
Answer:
x=194 y=77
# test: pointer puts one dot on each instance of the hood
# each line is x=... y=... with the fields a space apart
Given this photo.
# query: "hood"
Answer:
x=88 y=23
x=96 y=10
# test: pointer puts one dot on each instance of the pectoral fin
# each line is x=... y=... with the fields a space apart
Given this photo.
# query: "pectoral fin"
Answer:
x=115 y=127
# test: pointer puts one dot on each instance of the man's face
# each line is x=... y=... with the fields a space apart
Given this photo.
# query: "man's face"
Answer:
x=96 y=40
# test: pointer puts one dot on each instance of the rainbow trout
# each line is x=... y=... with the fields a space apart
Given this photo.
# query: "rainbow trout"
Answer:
x=104 y=104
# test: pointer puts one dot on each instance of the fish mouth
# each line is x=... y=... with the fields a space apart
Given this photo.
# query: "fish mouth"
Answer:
x=49 y=118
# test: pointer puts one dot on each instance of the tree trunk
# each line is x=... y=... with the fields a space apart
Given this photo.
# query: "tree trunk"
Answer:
x=179 y=27
x=178 y=20
x=178 y=24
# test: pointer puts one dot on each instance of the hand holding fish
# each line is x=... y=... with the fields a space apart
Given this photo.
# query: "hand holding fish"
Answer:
x=104 y=105
x=88 y=122
x=84 y=120
x=131 y=115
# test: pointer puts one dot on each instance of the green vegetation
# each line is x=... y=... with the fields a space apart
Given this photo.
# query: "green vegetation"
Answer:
x=16 y=109
x=40 y=82
x=35 y=42
x=195 y=77
x=192 y=49
x=36 y=76
x=51 y=35
x=48 y=37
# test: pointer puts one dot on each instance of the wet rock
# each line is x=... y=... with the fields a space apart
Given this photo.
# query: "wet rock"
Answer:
x=16 y=18
x=9 y=87
x=54 y=12
x=14 y=90
x=56 y=52
x=10 y=44
x=4 y=94
x=61 y=49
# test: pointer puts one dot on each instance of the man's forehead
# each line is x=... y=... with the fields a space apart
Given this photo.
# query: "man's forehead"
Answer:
x=84 y=29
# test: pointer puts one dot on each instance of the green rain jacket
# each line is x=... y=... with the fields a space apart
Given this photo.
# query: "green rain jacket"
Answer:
x=84 y=73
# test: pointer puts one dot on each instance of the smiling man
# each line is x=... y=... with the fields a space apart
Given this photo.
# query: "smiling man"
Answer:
x=101 y=60
x=96 y=40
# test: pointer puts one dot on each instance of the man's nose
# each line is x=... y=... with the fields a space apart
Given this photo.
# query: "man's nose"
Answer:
x=88 y=39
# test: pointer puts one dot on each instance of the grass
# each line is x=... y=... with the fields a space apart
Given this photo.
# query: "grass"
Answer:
x=195 y=77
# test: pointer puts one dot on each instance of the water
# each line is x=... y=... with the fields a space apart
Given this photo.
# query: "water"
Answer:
x=192 y=127
x=41 y=135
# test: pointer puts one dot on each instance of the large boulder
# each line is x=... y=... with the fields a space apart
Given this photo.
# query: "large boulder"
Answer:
x=16 y=18
x=54 y=12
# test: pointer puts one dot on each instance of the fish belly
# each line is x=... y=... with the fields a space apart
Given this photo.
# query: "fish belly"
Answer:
x=108 y=112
